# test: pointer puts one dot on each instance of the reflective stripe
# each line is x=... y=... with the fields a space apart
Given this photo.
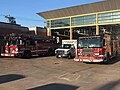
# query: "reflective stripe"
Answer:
x=86 y=60
x=75 y=59
x=7 y=55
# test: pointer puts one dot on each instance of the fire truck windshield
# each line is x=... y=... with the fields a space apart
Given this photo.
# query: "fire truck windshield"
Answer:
x=89 y=42
x=14 y=42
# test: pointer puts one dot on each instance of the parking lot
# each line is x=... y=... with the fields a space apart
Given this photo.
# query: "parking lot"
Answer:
x=50 y=73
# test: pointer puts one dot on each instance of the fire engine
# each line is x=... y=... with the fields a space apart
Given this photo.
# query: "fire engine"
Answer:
x=18 y=45
x=98 y=48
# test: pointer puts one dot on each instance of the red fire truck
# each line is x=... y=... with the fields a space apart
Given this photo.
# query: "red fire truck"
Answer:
x=18 y=45
x=98 y=48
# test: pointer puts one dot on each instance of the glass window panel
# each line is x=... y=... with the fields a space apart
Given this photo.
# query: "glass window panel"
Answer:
x=60 y=22
x=103 y=18
x=116 y=20
x=48 y=24
x=109 y=17
x=89 y=22
x=116 y=16
x=116 y=13
x=105 y=14
x=105 y=21
x=83 y=20
x=80 y=18
x=90 y=16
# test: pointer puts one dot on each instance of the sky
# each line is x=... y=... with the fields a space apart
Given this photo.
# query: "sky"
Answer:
x=25 y=10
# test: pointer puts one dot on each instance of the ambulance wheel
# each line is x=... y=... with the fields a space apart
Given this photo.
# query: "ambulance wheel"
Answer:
x=69 y=56
x=57 y=56
x=27 y=54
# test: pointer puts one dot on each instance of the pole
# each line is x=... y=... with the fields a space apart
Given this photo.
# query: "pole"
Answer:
x=97 y=26
x=71 y=36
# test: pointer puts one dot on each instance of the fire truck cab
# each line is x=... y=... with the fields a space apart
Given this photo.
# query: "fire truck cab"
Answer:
x=99 y=48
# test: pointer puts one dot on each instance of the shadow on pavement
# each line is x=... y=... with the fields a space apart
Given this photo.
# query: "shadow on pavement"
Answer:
x=113 y=60
x=10 y=77
x=110 y=86
x=55 y=86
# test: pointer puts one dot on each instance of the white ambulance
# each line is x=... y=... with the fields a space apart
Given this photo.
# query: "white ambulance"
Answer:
x=67 y=49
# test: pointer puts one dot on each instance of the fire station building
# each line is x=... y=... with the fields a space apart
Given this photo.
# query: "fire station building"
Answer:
x=89 y=19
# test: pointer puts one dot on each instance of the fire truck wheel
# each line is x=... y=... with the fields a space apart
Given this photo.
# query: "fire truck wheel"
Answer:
x=27 y=54
x=107 y=56
x=69 y=56
x=116 y=53
x=50 y=52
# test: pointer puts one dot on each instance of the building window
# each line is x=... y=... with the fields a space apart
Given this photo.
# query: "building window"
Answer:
x=84 y=20
x=109 y=17
x=60 y=23
x=48 y=24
